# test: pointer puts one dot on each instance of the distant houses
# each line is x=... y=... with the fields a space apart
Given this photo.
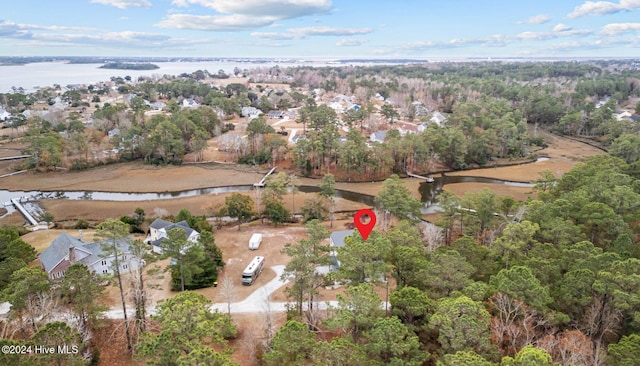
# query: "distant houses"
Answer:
x=66 y=250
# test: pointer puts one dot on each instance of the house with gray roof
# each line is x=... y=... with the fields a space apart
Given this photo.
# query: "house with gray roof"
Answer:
x=378 y=136
x=158 y=232
x=337 y=240
x=66 y=250
x=250 y=112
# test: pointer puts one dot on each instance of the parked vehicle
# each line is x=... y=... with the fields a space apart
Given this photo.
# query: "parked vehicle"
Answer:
x=254 y=242
x=252 y=271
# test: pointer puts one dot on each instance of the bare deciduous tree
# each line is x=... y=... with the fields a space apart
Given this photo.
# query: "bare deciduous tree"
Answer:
x=432 y=236
x=227 y=291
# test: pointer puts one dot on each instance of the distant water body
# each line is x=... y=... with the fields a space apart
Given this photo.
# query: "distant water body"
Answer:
x=42 y=74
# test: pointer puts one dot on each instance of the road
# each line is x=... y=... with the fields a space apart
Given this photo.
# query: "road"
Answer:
x=257 y=302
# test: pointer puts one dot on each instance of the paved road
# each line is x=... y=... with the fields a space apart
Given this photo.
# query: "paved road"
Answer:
x=257 y=302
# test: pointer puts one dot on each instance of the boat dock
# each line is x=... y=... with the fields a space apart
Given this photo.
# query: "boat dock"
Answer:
x=428 y=179
x=261 y=183
x=15 y=157
x=16 y=203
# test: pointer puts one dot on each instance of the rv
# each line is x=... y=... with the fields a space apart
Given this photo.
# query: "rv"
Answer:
x=252 y=271
x=254 y=242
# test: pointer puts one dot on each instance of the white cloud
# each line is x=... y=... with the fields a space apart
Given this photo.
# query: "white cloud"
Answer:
x=537 y=36
x=213 y=22
x=276 y=36
x=303 y=32
x=561 y=28
x=496 y=40
x=345 y=42
x=123 y=4
x=619 y=28
x=603 y=8
x=330 y=31
x=280 y=9
x=537 y=19
x=9 y=29
x=242 y=15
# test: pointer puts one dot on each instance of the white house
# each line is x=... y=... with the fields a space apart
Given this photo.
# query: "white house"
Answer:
x=624 y=115
x=438 y=118
x=4 y=114
x=190 y=103
x=158 y=232
x=66 y=250
x=250 y=112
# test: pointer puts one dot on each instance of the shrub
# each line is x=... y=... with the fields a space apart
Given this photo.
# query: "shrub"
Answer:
x=81 y=224
x=80 y=164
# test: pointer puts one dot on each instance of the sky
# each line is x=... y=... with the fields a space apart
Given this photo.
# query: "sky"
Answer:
x=419 y=29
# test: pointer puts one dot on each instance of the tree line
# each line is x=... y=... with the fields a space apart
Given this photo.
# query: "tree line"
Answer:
x=549 y=281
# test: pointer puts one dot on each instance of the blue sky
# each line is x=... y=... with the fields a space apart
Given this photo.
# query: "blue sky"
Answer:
x=322 y=28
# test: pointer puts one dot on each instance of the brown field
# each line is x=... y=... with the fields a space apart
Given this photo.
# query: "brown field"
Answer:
x=563 y=154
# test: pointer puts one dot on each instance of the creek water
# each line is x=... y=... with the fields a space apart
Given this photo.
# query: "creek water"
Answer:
x=6 y=195
x=428 y=192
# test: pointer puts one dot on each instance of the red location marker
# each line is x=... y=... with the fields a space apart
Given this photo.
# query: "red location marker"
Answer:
x=364 y=227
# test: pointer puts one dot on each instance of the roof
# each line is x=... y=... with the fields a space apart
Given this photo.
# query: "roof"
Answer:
x=379 y=136
x=160 y=223
x=180 y=225
x=275 y=114
x=98 y=254
x=58 y=249
x=338 y=237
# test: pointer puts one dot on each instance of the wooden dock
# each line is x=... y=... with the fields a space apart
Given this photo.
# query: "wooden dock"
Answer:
x=428 y=179
x=14 y=173
x=261 y=183
x=15 y=157
x=16 y=203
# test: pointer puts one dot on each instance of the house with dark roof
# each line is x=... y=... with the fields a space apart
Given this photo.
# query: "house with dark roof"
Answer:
x=66 y=250
x=158 y=232
x=275 y=114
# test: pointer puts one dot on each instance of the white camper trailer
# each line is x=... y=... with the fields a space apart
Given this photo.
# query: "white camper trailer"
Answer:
x=252 y=271
x=254 y=242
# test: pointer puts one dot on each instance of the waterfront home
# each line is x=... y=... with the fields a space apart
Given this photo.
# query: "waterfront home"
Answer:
x=158 y=232
x=66 y=250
